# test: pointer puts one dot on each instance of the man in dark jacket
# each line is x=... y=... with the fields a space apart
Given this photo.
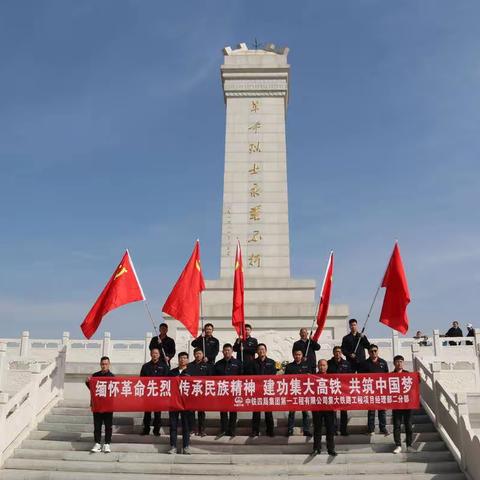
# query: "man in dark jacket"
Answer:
x=305 y=344
x=198 y=368
x=454 y=331
x=401 y=415
x=154 y=368
x=354 y=354
x=298 y=366
x=180 y=371
x=164 y=343
x=338 y=365
x=102 y=418
x=375 y=364
x=262 y=365
x=249 y=346
x=208 y=343
x=325 y=417
x=228 y=366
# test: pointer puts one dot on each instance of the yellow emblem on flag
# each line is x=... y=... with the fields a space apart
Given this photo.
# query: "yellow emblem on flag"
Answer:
x=197 y=264
x=121 y=271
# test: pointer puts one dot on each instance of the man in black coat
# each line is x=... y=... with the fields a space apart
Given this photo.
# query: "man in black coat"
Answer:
x=307 y=343
x=249 y=346
x=154 y=368
x=102 y=418
x=208 y=343
x=164 y=343
x=375 y=364
x=454 y=331
x=400 y=416
x=180 y=371
x=325 y=417
x=337 y=364
x=198 y=368
x=228 y=366
x=354 y=355
x=298 y=366
x=262 y=365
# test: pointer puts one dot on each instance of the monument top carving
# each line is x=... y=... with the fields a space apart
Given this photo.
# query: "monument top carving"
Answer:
x=267 y=48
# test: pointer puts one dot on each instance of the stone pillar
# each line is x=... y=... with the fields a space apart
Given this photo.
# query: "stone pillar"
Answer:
x=3 y=418
x=66 y=342
x=395 y=343
x=437 y=343
x=106 y=346
x=25 y=344
x=36 y=370
x=3 y=363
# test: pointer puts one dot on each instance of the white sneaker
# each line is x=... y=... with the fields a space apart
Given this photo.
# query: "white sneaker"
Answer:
x=97 y=448
x=106 y=448
x=172 y=451
x=186 y=451
x=398 y=450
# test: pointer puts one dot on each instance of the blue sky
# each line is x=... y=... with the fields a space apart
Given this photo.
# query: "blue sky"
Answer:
x=112 y=136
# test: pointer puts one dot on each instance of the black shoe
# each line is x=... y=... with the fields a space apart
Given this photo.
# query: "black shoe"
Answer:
x=344 y=434
x=201 y=433
x=316 y=451
x=289 y=433
x=332 y=453
x=145 y=432
x=307 y=434
x=232 y=435
x=156 y=433
x=385 y=432
x=220 y=435
x=254 y=434
x=270 y=434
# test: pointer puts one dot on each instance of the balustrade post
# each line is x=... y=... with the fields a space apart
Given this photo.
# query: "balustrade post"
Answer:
x=461 y=408
x=395 y=343
x=25 y=344
x=437 y=344
x=146 y=352
x=35 y=370
x=476 y=341
x=106 y=346
x=65 y=341
x=436 y=368
x=3 y=363
x=3 y=421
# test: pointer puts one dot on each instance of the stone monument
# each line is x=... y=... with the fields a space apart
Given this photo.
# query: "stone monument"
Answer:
x=255 y=208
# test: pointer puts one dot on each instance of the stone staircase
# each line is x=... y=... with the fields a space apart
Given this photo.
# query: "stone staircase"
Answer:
x=59 y=449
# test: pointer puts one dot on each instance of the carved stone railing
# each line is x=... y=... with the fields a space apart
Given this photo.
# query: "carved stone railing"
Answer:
x=20 y=413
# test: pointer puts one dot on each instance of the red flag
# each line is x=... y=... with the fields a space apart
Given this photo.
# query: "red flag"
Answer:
x=397 y=297
x=238 y=313
x=324 y=298
x=183 y=303
x=122 y=288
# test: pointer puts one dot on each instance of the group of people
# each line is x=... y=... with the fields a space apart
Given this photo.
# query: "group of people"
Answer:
x=251 y=359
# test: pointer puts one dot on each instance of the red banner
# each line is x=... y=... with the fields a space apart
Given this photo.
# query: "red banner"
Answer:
x=376 y=391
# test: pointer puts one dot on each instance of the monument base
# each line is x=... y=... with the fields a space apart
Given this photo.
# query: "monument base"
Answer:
x=275 y=307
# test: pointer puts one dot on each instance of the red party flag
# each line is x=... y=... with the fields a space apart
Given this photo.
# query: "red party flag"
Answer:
x=324 y=299
x=122 y=288
x=397 y=296
x=238 y=312
x=183 y=303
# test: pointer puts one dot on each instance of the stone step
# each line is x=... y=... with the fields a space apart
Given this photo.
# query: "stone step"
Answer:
x=240 y=430
x=222 y=448
x=60 y=475
x=238 y=440
x=231 y=459
x=333 y=467
x=122 y=419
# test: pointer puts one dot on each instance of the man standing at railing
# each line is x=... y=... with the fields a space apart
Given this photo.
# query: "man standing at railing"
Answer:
x=401 y=415
x=154 y=368
x=102 y=418
x=164 y=343
x=454 y=331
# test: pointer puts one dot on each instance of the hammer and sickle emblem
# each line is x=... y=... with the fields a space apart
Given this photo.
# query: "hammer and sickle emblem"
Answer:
x=120 y=272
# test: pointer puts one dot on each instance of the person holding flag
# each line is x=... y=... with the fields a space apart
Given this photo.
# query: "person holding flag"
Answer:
x=209 y=345
x=246 y=347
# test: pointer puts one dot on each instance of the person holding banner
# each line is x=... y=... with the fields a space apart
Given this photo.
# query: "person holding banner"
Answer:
x=103 y=418
x=325 y=417
x=228 y=366
x=249 y=346
x=308 y=346
x=298 y=366
x=354 y=345
x=208 y=343
x=154 y=368
x=164 y=343
x=400 y=416
x=375 y=364
x=338 y=365
x=262 y=365
x=180 y=371
x=198 y=368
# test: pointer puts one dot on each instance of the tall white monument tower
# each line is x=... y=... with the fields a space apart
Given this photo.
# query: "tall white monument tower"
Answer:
x=255 y=207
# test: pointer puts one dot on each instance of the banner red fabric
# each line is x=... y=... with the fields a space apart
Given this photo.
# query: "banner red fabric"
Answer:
x=375 y=391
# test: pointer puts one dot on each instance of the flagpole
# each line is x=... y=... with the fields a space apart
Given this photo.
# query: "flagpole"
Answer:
x=201 y=319
x=368 y=316
x=155 y=329
x=311 y=328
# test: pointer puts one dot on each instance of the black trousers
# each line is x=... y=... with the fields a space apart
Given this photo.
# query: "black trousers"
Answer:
x=256 y=422
x=343 y=421
x=228 y=422
x=200 y=424
x=100 y=419
x=184 y=418
x=404 y=416
x=147 y=419
x=326 y=418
